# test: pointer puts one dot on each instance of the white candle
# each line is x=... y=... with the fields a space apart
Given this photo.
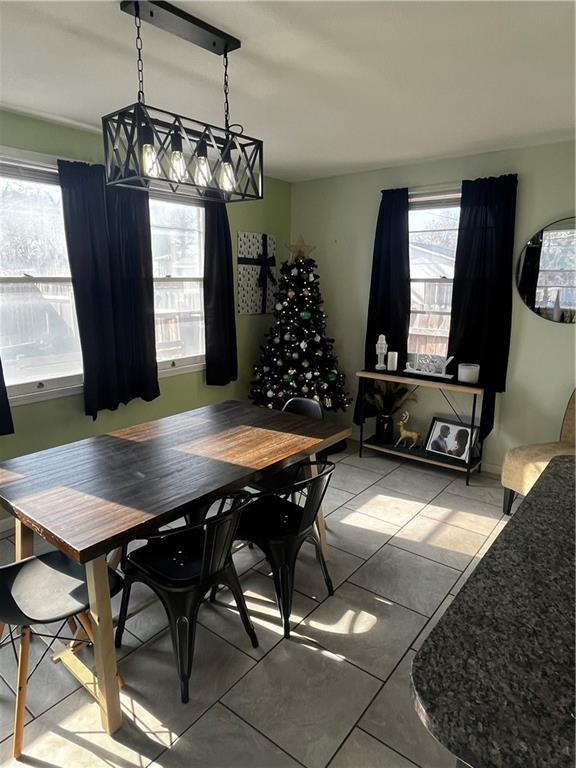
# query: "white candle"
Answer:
x=392 y=361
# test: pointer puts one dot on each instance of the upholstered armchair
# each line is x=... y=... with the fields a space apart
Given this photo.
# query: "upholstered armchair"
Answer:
x=524 y=465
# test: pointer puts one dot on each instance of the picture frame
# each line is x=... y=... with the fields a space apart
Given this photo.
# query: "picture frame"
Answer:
x=450 y=438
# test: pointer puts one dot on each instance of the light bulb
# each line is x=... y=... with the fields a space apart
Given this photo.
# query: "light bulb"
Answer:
x=202 y=172
x=226 y=177
x=150 y=160
x=178 y=170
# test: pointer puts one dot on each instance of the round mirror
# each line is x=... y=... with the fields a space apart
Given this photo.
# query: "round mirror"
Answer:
x=547 y=272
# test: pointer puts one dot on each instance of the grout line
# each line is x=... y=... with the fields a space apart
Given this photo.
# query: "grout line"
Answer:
x=431 y=559
x=393 y=749
x=251 y=725
x=385 y=597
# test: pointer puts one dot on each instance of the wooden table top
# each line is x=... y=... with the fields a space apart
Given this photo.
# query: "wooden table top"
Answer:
x=90 y=496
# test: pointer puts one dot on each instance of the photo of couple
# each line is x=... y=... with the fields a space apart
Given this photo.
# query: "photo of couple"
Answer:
x=449 y=438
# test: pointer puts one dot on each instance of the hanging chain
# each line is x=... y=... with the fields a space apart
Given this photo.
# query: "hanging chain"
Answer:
x=226 y=93
x=140 y=63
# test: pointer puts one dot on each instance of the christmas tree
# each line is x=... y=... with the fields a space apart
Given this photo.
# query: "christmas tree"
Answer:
x=297 y=358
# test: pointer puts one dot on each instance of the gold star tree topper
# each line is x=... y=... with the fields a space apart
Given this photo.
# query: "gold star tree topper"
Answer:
x=299 y=250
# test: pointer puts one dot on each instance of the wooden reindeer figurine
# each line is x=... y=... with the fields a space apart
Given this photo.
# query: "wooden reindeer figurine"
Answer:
x=405 y=434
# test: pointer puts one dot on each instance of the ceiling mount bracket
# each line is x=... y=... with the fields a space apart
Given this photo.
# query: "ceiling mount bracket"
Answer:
x=176 y=21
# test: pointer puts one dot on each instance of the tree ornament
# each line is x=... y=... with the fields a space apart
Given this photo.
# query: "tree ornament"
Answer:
x=308 y=375
x=287 y=336
x=270 y=393
x=291 y=293
x=311 y=277
x=305 y=390
x=279 y=363
x=286 y=377
x=317 y=338
x=279 y=306
x=305 y=364
x=303 y=344
x=294 y=271
x=276 y=340
x=295 y=355
x=305 y=314
x=305 y=292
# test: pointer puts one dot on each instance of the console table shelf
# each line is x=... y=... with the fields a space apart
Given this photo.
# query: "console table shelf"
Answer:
x=419 y=453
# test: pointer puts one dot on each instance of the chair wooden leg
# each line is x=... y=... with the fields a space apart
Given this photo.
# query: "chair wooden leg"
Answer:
x=86 y=624
x=20 y=713
x=1 y=630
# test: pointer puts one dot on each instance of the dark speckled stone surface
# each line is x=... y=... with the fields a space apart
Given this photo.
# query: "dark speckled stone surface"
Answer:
x=494 y=680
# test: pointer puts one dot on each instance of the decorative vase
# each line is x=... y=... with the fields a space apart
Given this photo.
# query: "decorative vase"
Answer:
x=384 y=429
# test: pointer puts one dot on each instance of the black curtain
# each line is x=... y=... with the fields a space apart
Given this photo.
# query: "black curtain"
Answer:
x=530 y=271
x=6 y=424
x=219 y=310
x=389 y=304
x=482 y=291
x=109 y=248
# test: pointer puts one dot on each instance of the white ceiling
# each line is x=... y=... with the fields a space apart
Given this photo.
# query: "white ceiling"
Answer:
x=331 y=87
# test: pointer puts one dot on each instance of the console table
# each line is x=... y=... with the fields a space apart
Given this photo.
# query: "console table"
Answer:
x=419 y=453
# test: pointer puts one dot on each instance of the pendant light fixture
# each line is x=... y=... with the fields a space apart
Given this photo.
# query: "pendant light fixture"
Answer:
x=150 y=148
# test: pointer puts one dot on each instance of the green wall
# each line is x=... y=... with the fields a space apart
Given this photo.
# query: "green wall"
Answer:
x=339 y=215
x=52 y=422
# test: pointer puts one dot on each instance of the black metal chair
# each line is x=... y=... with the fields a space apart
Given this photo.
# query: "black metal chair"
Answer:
x=42 y=590
x=181 y=566
x=279 y=526
x=304 y=406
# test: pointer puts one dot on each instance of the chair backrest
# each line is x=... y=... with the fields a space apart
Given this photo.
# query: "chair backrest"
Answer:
x=219 y=524
x=311 y=479
x=567 y=433
x=303 y=406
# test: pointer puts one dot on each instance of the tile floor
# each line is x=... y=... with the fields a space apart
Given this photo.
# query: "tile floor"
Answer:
x=402 y=540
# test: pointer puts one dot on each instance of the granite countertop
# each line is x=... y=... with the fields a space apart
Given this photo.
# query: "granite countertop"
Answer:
x=494 y=680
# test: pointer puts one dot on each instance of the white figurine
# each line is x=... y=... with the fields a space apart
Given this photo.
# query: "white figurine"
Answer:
x=381 y=349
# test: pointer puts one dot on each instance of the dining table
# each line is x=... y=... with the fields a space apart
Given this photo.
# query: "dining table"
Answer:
x=89 y=498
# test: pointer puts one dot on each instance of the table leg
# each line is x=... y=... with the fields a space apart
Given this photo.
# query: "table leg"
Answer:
x=24 y=539
x=104 y=654
x=320 y=521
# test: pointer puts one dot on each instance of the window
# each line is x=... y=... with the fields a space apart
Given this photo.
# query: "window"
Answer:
x=39 y=340
x=38 y=330
x=178 y=258
x=433 y=226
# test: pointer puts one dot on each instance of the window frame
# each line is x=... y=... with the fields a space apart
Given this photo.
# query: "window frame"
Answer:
x=445 y=196
x=40 y=168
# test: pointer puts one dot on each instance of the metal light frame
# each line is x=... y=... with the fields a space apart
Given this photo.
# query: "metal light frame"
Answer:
x=201 y=149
